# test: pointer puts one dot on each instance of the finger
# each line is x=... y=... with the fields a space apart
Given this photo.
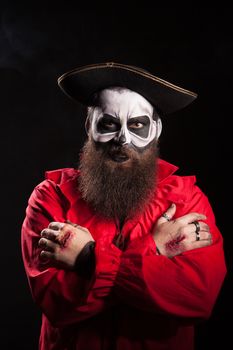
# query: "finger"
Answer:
x=189 y=218
x=46 y=255
x=47 y=245
x=50 y=234
x=203 y=235
x=197 y=237
x=203 y=226
x=191 y=228
x=170 y=212
x=202 y=243
x=56 y=225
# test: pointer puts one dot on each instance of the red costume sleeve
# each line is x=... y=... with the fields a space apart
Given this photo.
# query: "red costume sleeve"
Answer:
x=63 y=296
x=186 y=285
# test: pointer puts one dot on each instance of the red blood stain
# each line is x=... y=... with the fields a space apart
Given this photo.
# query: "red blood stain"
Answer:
x=174 y=245
x=64 y=238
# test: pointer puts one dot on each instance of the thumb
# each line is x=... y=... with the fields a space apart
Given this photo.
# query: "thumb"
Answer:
x=167 y=215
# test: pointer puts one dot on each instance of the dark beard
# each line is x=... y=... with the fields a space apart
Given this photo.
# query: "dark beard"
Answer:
x=114 y=189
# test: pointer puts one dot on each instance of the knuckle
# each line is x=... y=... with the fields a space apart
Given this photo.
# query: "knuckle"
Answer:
x=177 y=221
x=67 y=227
x=205 y=235
x=196 y=216
x=43 y=232
x=43 y=254
x=207 y=228
x=52 y=223
x=42 y=242
x=47 y=234
x=182 y=231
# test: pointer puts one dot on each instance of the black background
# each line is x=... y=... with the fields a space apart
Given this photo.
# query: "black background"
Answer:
x=41 y=129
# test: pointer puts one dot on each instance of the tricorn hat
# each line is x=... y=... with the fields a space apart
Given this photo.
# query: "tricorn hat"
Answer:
x=81 y=83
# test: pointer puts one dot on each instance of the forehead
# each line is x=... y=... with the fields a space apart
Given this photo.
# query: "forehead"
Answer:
x=123 y=102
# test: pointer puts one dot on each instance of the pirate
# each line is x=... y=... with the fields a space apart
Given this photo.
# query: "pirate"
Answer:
x=121 y=253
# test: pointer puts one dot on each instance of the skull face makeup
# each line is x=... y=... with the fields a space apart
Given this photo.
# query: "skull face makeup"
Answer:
x=124 y=116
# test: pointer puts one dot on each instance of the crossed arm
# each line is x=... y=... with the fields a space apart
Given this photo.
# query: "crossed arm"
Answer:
x=181 y=281
x=62 y=243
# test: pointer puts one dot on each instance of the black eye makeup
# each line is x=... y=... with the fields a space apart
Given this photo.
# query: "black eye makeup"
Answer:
x=108 y=124
x=139 y=125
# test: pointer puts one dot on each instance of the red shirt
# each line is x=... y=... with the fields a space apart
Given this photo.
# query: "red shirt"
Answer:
x=136 y=299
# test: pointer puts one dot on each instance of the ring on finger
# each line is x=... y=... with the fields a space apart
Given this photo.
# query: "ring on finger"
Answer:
x=166 y=217
x=197 y=231
x=197 y=224
x=197 y=236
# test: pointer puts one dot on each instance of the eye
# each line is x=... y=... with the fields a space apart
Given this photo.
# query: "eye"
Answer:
x=136 y=125
x=108 y=125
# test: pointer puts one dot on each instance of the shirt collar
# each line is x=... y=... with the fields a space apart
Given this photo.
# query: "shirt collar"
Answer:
x=165 y=170
x=66 y=179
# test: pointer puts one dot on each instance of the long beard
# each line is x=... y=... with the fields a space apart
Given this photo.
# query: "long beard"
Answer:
x=113 y=189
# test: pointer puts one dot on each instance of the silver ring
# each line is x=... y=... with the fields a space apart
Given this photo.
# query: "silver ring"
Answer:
x=198 y=228
x=166 y=217
x=197 y=231
x=197 y=236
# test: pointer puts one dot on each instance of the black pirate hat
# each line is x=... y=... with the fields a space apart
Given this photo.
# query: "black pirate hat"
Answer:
x=81 y=83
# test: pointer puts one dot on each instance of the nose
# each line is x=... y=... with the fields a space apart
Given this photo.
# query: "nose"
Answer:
x=120 y=138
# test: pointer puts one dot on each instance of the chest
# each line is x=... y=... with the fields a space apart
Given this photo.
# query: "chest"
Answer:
x=141 y=224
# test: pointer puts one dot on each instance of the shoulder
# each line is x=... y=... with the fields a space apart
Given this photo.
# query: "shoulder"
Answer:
x=58 y=177
x=61 y=176
x=175 y=187
x=185 y=192
x=57 y=184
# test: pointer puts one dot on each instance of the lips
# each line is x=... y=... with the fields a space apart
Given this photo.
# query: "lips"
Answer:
x=119 y=153
x=117 y=157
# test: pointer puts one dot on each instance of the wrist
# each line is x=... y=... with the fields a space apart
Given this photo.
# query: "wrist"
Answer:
x=85 y=262
x=158 y=251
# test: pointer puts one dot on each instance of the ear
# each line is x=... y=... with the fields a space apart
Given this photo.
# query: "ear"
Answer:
x=87 y=125
x=159 y=128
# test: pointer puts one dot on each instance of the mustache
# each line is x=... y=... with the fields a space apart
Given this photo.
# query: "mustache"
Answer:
x=121 y=150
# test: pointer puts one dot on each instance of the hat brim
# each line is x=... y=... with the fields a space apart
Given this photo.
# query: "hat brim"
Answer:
x=80 y=84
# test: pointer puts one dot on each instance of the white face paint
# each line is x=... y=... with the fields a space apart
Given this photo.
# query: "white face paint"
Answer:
x=124 y=116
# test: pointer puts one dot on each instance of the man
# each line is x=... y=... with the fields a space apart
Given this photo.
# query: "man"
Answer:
x=121 y=253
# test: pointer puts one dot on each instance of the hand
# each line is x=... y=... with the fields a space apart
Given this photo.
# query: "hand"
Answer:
x=61 y=243
x=173 y=237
